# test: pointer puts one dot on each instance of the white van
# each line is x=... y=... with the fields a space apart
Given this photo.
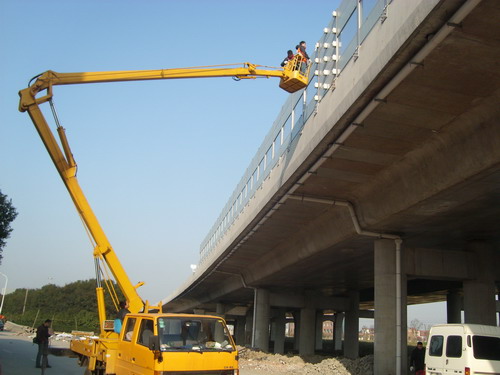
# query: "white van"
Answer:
x=465 y=349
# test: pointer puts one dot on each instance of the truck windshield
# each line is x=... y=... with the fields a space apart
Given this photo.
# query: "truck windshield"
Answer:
x=193 y=334
x=486 y=347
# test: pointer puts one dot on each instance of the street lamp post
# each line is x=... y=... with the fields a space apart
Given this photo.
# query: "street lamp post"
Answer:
x=4 y=290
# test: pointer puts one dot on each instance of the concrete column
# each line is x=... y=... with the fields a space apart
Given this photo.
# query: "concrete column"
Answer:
x=220 y=310
x=351 y=337
x=307 y=328
x=479 y=305
x=453 y=307
x=249 y=327
x=239 y=330
x=480 y=294
x=498 y=306
x=338 y=332
x=296 y=331
x=404 y=318
x=386 y=353
x=318 y=345
x=219 y=332
x=262 y=319
x=279 y=331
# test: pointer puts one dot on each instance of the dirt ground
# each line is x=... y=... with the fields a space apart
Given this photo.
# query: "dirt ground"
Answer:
x=254 y=362
x=260 y=363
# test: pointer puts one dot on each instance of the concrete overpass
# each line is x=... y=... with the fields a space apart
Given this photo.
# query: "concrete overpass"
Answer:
x=377 y=187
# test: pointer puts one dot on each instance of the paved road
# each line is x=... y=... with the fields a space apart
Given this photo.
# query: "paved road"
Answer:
x=17 y=357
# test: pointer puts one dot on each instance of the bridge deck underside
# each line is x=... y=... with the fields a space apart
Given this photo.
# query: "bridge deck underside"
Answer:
x=424 y=165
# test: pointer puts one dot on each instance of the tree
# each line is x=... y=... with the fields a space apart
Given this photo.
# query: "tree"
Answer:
x=72 y=306
x=416 y=324
x=414 y=328
x=7 y=215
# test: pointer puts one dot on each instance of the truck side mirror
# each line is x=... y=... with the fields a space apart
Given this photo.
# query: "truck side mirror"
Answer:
x=154 y=343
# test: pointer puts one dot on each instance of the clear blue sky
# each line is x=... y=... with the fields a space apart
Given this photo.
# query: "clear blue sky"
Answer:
x=157 y=160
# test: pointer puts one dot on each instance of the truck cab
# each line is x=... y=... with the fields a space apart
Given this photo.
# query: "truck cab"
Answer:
x=152 y=344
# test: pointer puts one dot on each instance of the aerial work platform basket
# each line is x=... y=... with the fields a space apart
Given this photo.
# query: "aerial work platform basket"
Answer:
x=296 y=73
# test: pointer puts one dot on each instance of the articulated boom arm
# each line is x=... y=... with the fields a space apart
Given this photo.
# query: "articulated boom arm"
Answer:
x=293 y=78
x=103 y=250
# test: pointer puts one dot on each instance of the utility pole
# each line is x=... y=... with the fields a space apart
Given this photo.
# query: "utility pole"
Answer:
x=25 y=299
x=4 y=290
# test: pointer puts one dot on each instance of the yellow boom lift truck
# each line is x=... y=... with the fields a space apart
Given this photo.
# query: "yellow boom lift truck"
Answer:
x=150 y=342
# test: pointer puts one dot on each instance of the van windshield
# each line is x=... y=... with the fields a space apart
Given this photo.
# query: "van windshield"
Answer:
x=193 y=334
x=486 y=347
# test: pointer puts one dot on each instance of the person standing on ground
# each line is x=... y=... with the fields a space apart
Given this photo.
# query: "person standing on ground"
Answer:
x=42 y=337
x=417 y=359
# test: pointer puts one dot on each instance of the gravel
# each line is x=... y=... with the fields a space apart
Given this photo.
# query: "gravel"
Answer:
x=259 y=363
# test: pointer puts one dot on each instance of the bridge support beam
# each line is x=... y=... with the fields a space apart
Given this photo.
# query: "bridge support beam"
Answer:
x=296 y=329
x=386 y=350
x=220 y=310
x=239 y=331
x=307 y=330
x=453 y=307
x=261 y=319
x=351 y=340
x=279 y=331
x=249 y=328
x=338 y=331
x=318 y=345
x=479 y=294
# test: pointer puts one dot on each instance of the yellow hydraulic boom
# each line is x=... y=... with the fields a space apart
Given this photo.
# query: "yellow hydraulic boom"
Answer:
x=293 y=78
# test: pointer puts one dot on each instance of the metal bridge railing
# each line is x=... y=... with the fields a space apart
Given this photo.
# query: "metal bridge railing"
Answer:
x=348 y=28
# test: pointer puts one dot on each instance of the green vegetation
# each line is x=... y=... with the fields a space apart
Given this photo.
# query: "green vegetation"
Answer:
x=7 y=215
x=71 y=307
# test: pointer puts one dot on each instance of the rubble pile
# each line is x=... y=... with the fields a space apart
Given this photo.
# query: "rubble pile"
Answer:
x=259 y=363
x=59 y=340
x=19 y=330
x=360 y=366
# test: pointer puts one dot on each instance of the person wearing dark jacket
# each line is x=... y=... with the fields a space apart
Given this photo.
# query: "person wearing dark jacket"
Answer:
x=288 y=58
x=42 y=339
x=301 y=51
x=417 y=359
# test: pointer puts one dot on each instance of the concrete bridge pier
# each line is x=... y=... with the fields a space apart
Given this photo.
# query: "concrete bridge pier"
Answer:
x=262 y=320
x=249 y=327
x=279 y=331
x=388 y=351
x=239 y=330
x=307 y=330
x=351 y=339
x=338 y=331
x=454 y=307
x=318 y=344
x=498 y=306
x=480 y=293
x=296 y=330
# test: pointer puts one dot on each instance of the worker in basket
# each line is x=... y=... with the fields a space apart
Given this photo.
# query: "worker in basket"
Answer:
x=303 y=61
